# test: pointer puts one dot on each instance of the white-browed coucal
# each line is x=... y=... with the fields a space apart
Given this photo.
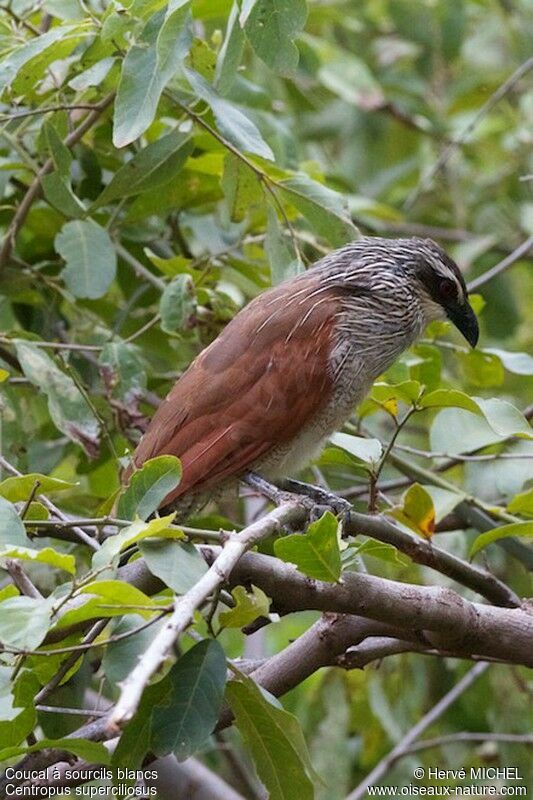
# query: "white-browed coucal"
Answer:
x=289 y=369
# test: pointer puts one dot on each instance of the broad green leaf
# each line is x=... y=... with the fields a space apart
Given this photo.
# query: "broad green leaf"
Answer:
x=107 y=598
x=522 y=504
x=122 y=370
x=504 y=418
x=381 y=550
x=147 y=68
x=367 y=450
x=68 y=408
x=135 y=740
x=444 y=500
x=60 y=195
x=231 y=121
x=121 y=656
x=138 y=530
x=91 y=261
x=178 y=304
x=271 y=27
x=94 y=752
x=148 y=487
x=59 y=152
x=482 y=369
x=45 y=556
x=178 y=564
x=407 y=391
x=153 y=166
x=520 y=529
x=417 y=511
x=191 y=709
x=324 y=209
x=519 y=363
x=93 y=76
x=20 y=487
x=20 y=56
x=449 y=398
x=275 y=740
x=283 y=261
x=24 y=621
x=248 y=606
x=176 y=265
x=12 y=531
x=315 y=553
x=241 y=188
x=17 y=708
x=229 y=55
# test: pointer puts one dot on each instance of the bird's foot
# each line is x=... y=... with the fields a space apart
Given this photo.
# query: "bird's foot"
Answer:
x=322 y=498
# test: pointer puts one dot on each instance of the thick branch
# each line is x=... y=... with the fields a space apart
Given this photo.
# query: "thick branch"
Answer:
x=448 y=622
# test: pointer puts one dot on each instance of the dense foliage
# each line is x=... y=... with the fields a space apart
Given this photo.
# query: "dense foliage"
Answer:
x=162 y=164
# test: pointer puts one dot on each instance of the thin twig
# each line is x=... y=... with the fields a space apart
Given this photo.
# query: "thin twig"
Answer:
x=185 y=606
x=504 y=264
x=495 y=97
x=382 y=768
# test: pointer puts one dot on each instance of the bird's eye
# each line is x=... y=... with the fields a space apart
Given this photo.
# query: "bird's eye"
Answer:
x=448 y=289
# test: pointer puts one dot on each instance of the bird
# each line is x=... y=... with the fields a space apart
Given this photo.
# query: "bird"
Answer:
x=290 y=368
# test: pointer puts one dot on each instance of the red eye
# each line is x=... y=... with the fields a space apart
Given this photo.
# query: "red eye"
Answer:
x=448 y=289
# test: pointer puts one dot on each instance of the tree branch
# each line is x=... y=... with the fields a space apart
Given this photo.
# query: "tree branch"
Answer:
x=185 y=606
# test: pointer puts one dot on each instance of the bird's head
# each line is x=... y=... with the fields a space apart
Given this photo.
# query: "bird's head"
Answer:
x=442 y=289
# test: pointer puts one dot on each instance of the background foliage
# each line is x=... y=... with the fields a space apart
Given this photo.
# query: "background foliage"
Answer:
x=161 y=165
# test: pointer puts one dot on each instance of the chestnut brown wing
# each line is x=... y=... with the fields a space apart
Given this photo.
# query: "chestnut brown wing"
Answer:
x=251 y=390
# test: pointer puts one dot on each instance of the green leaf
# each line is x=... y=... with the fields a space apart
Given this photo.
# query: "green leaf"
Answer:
x=178 y=304
x=192 y=707
x=68 y=408
x=417 y=511
x=248 y=606
x=60 y=195
x=20 y=487
x=61 y=155
x=382 y=550
x=45 y=556
x=148 y=487
x=241 y=188
x=121 y=656
x=153 y=166
x=24 y=621
x=449 y=398
x=95 y=752
x=20 y=56
x=284 y=263
x=231 y=121
x=229 y=55
x=271 y=27
x=107 y=598
x=93 y=76
x=521 y=529
x=275 y=740
x=178 y=564
x=138 y=530
x=522 y=504
x=481 y=369
x=325 y=210
x=504 y=418
x=91 y=261
x=12 y=531
x=519 y=363
x=315 y=553
x=407 y=391
x=147 y=68
x=367 y=450
x=122 y=370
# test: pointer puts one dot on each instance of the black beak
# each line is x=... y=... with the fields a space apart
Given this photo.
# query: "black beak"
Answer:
x=465 y=321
